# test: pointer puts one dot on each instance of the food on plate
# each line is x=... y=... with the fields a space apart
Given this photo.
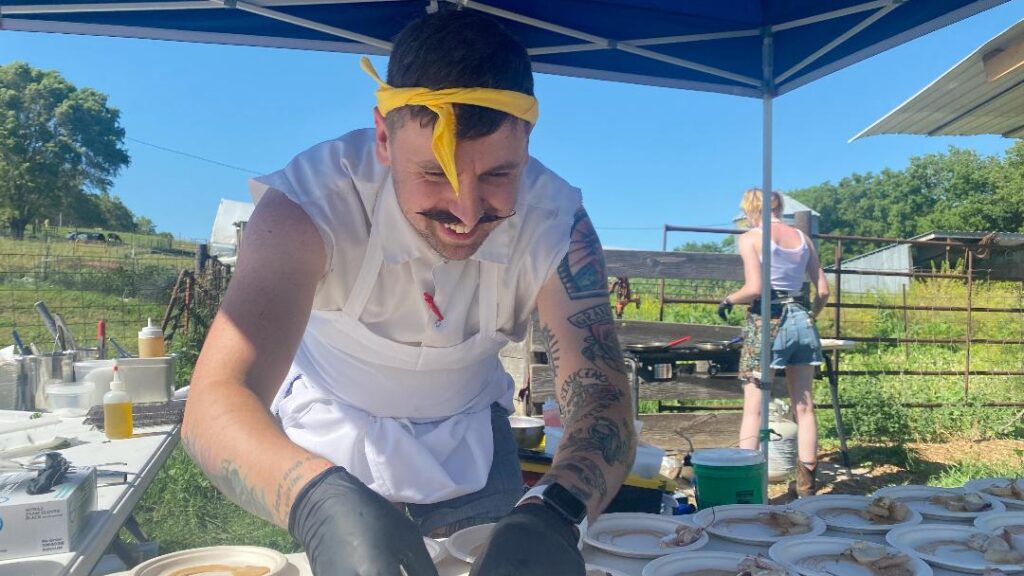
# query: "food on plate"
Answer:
x=222 y=570
x=597 y=572
x=682 y=536
x=1012 y=489
x=759 y=566
x=996 y=548
x=883 y=510
x=970 y=502
x=789 y=522
x=879 y=559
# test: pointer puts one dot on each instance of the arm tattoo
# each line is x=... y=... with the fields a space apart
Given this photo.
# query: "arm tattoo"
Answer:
x=286 y=490
x=550 y=346
x=227 y=478
x=582 y=271
x=603 y=436
x=601 y=346
x=583 y=477
x=586 y=392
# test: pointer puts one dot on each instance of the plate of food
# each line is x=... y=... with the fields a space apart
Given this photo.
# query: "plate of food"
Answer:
x=466 y=544
x=758 y=524
x=954 y=504
x=703 y=563
x=1011 y=520
x=960 y=548
x=1009 y=491
x=638 y=535
x=859 y=514
x=216 y=561
x=845 y=557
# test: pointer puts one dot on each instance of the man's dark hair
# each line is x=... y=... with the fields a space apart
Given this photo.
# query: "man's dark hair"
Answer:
x=458 y=49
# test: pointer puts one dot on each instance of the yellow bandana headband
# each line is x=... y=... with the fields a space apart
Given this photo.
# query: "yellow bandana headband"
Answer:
x=440 y=102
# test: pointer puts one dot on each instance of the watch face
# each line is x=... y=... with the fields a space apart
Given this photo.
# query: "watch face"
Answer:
x=565 y=502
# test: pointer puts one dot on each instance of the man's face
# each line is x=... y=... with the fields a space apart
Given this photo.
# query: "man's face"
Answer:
x=489 y=169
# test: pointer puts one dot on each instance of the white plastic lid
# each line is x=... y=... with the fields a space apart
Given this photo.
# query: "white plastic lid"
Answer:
x=727 y=457
x=151 y=330
x=69 y=388
x=116 y=383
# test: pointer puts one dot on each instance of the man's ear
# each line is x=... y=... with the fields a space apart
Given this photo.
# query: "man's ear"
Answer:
x=382 y=144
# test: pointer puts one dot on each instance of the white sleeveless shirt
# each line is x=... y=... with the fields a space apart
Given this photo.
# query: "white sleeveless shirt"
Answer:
x=386 y=391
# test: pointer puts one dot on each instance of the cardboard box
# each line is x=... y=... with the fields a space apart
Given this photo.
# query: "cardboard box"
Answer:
x=44 y=523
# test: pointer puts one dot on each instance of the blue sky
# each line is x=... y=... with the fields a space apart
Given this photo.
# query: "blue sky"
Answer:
x=643 y=156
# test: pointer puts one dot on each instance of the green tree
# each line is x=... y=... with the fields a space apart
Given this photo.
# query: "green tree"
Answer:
x=144 y=225
x=56 y=140
x=716 y=247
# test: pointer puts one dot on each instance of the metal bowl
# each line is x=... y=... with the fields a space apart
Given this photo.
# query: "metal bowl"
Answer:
x=527 y=431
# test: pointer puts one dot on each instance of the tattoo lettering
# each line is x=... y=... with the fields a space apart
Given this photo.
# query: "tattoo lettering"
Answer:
x=582 y=271
x=601 y=346
x=290 y=482
x=603 y=436
x=587 y=392
x=550 y=346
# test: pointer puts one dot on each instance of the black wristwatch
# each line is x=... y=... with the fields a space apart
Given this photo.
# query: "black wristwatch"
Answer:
x=561 y=500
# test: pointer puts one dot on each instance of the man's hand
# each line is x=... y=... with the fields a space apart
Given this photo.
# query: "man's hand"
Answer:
x=724 y=307
x=533 y=539
x=349 y=530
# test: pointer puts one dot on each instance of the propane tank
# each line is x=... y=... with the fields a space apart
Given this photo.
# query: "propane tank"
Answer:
x=782 y=446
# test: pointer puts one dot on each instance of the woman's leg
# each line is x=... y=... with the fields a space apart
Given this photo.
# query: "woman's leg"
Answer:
x=799 y=379
x=751 y=423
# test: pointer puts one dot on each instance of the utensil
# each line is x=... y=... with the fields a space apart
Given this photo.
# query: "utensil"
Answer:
x=69 y=338
x=51 y=324
x=121 y=352
x=101 y=338
x=19 y=346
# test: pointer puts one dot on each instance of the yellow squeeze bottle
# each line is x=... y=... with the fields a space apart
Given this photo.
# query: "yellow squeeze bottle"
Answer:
x=117 y=410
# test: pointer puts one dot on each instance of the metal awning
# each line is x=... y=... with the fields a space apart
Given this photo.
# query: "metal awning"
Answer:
x=983 y=94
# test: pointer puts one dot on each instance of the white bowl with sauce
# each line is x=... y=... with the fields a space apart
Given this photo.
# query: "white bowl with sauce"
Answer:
x=216 y=561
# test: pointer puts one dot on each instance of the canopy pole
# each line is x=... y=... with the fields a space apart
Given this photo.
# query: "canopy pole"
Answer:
x=767 y=375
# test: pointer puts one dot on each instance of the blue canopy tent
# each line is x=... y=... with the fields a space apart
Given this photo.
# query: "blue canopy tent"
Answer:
x=754 y=48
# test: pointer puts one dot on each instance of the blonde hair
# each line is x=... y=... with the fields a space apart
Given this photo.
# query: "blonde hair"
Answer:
x=751 y=204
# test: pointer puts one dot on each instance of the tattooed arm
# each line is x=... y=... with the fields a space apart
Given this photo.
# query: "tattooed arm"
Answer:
x=228 y=430
x=599 y=442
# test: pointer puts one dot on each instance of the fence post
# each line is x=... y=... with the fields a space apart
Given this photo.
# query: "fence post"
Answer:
x=202 y=255
x=970 y=328
x=906 y=327
x=839 y=301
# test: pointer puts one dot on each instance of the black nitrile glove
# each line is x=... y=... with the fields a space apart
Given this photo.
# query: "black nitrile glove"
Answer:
x=349 y=530
x=533 y=539
x=724 y=307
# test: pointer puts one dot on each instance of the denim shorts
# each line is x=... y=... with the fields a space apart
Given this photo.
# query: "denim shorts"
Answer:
x=503 y=489
x=797 y=341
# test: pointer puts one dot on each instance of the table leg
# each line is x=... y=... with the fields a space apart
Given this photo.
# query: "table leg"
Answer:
x=833 y=388
x=634 y=381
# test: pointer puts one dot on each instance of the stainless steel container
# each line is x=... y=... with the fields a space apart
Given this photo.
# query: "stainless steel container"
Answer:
x=662 y=371
x=43 y=369
x=12 y=374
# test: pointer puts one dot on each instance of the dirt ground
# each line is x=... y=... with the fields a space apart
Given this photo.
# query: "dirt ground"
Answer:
x=874 y=467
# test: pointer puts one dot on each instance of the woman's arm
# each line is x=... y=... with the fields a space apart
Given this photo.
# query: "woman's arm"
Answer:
x=817 y=276
x=751 y=271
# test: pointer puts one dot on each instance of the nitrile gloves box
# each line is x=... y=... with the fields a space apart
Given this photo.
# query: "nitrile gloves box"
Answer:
x=44 y=523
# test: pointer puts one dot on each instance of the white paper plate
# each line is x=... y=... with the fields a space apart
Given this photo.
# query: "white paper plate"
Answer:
x=682 y=563
x=435 y=549
x=980 y=484
x=599 y=570
x=727 y=522
x=229 y=555
x=637 y=535
x=809 y=557
x=955 y=556
x=466 y=544
x=992 y=521
x=839 y=511
x=917 y=497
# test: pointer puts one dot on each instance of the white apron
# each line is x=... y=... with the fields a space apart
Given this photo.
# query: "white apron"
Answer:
x=412 y=422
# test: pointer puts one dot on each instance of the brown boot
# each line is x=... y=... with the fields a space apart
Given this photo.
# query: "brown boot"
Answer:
x=806 y=484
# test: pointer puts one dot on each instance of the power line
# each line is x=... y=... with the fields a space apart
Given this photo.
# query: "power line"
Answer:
x=195 y=156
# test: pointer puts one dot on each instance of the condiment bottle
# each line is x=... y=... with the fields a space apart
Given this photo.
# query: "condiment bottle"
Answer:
x=117 y=410
x=552 y=417
x=151 y=341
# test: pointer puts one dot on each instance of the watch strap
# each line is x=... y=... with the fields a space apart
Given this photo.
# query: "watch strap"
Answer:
x=537 y=491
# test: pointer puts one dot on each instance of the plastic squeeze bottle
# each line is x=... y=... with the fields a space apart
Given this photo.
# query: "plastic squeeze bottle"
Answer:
x=117 y=410
x=151 y=341
x=552 y=416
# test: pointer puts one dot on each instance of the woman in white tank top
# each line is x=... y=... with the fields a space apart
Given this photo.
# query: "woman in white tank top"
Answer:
x=795 y=341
